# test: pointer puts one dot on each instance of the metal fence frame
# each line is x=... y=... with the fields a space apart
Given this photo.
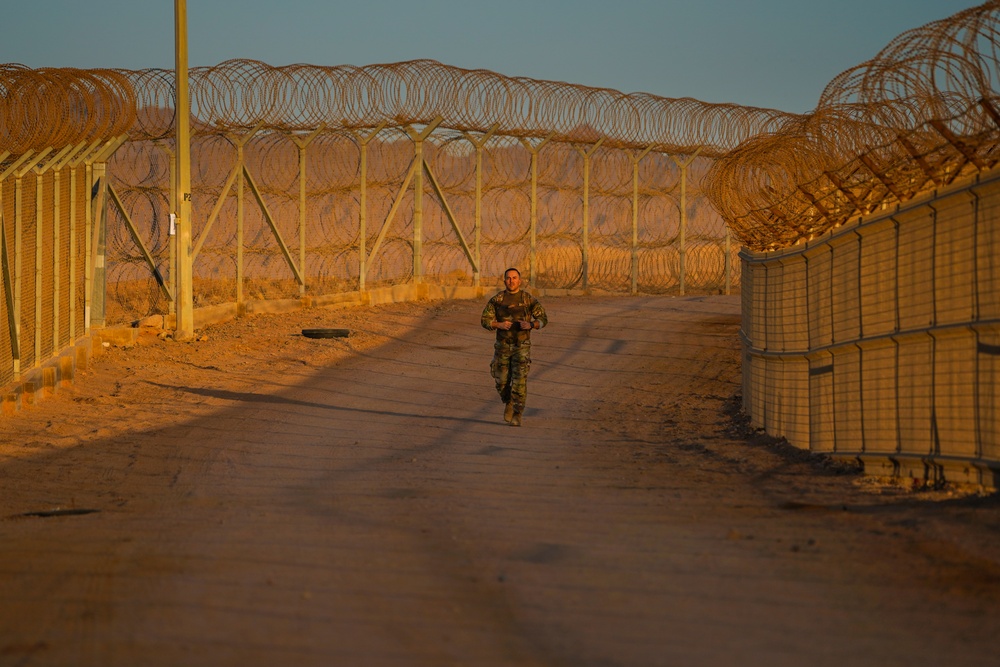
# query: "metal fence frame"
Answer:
x=49 y=202
x=289 y=239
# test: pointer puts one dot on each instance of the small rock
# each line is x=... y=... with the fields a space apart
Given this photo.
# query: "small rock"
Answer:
x=153 y=321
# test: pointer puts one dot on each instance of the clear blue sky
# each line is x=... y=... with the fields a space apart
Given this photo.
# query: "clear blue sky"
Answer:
x=769 y=53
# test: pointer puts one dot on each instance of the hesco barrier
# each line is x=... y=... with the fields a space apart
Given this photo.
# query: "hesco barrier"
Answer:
x=882 y=341
x=57 y=127
x=870 y=279
x=47 y=245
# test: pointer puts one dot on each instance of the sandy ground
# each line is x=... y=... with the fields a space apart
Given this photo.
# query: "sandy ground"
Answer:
x=260 y=498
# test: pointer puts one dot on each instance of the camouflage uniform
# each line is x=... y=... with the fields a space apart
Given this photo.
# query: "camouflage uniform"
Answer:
x=512 y=350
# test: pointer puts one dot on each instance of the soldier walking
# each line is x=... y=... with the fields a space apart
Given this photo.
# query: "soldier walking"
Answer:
x=513 y=314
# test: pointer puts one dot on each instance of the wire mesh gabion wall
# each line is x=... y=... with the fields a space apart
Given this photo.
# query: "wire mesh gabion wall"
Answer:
x=583 y=188
x=54 y=125
x=882 y=341
x=871 y=320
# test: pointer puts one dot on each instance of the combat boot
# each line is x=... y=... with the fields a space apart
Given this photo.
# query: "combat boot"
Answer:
x=508 y=412
x=515 y=420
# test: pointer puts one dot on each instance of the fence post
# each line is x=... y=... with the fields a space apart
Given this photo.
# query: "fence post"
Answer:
x=586 y=211
x=682 y=240
x=58 y=164
x=363 y=215
x=533 y=222
x=479 y=211
x=302 y=215
x=19 y=168
x=363 y=141
x=682 y=235
x=99 y=281
x=635 y=216
x=240 y=210
x=172 y=231
x=418 y=211
x=303 y=144
x=479 y=144
x=56 y=272
x=72 y=253
x=729 y=261
x=418 y=196
x=88 y=259
x=39 y=242
x=183 y=207
x=18 y=265
x=40 y=245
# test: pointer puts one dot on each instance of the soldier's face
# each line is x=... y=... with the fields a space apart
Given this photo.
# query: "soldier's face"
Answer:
x=511 y=281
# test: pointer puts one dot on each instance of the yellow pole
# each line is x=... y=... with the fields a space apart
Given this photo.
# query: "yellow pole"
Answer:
x=88 y=260
x=72 y=254
x=185 y=273
x=636 y=159
x=39 y=243
x=18 y=267
x=682 y=240
x=302 y=219
x=172 y=197
x=56 y=243
x=682 y=235
x=729 y=262
x=363 y=222
x=586 y=211
x=478 y=213
x=418 y=213
x=240 y=219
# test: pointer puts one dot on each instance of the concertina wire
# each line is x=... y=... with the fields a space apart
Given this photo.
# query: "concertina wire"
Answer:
x=922 y=113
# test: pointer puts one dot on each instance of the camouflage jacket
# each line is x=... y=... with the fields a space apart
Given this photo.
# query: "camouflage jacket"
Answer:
x=525 y=308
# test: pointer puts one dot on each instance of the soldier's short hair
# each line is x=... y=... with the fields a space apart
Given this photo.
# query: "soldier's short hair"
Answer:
x=506 y=271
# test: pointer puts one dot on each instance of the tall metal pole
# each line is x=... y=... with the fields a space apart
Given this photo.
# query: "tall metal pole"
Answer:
x=479 y=213
x=635 y=226
x=302 y=219
x=418 y=212
x=363 y=219
x=533 y=247
x=182 y=204
x=586 y=211
x=729 y=262
x=636 y=159
x=682 y=240
x=240 y=219
x=586 y=220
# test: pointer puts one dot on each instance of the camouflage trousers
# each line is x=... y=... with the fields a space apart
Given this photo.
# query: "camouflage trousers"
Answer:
x=510 y=370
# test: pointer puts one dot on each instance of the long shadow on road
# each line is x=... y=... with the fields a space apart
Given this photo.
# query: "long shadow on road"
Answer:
x=379 y=512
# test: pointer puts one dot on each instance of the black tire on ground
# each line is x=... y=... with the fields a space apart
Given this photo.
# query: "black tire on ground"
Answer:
x=326 y=333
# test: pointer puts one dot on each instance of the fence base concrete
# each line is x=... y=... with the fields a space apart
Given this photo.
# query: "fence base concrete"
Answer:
x=57 y=373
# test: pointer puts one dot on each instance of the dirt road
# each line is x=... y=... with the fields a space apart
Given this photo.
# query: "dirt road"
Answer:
x=259 y=498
